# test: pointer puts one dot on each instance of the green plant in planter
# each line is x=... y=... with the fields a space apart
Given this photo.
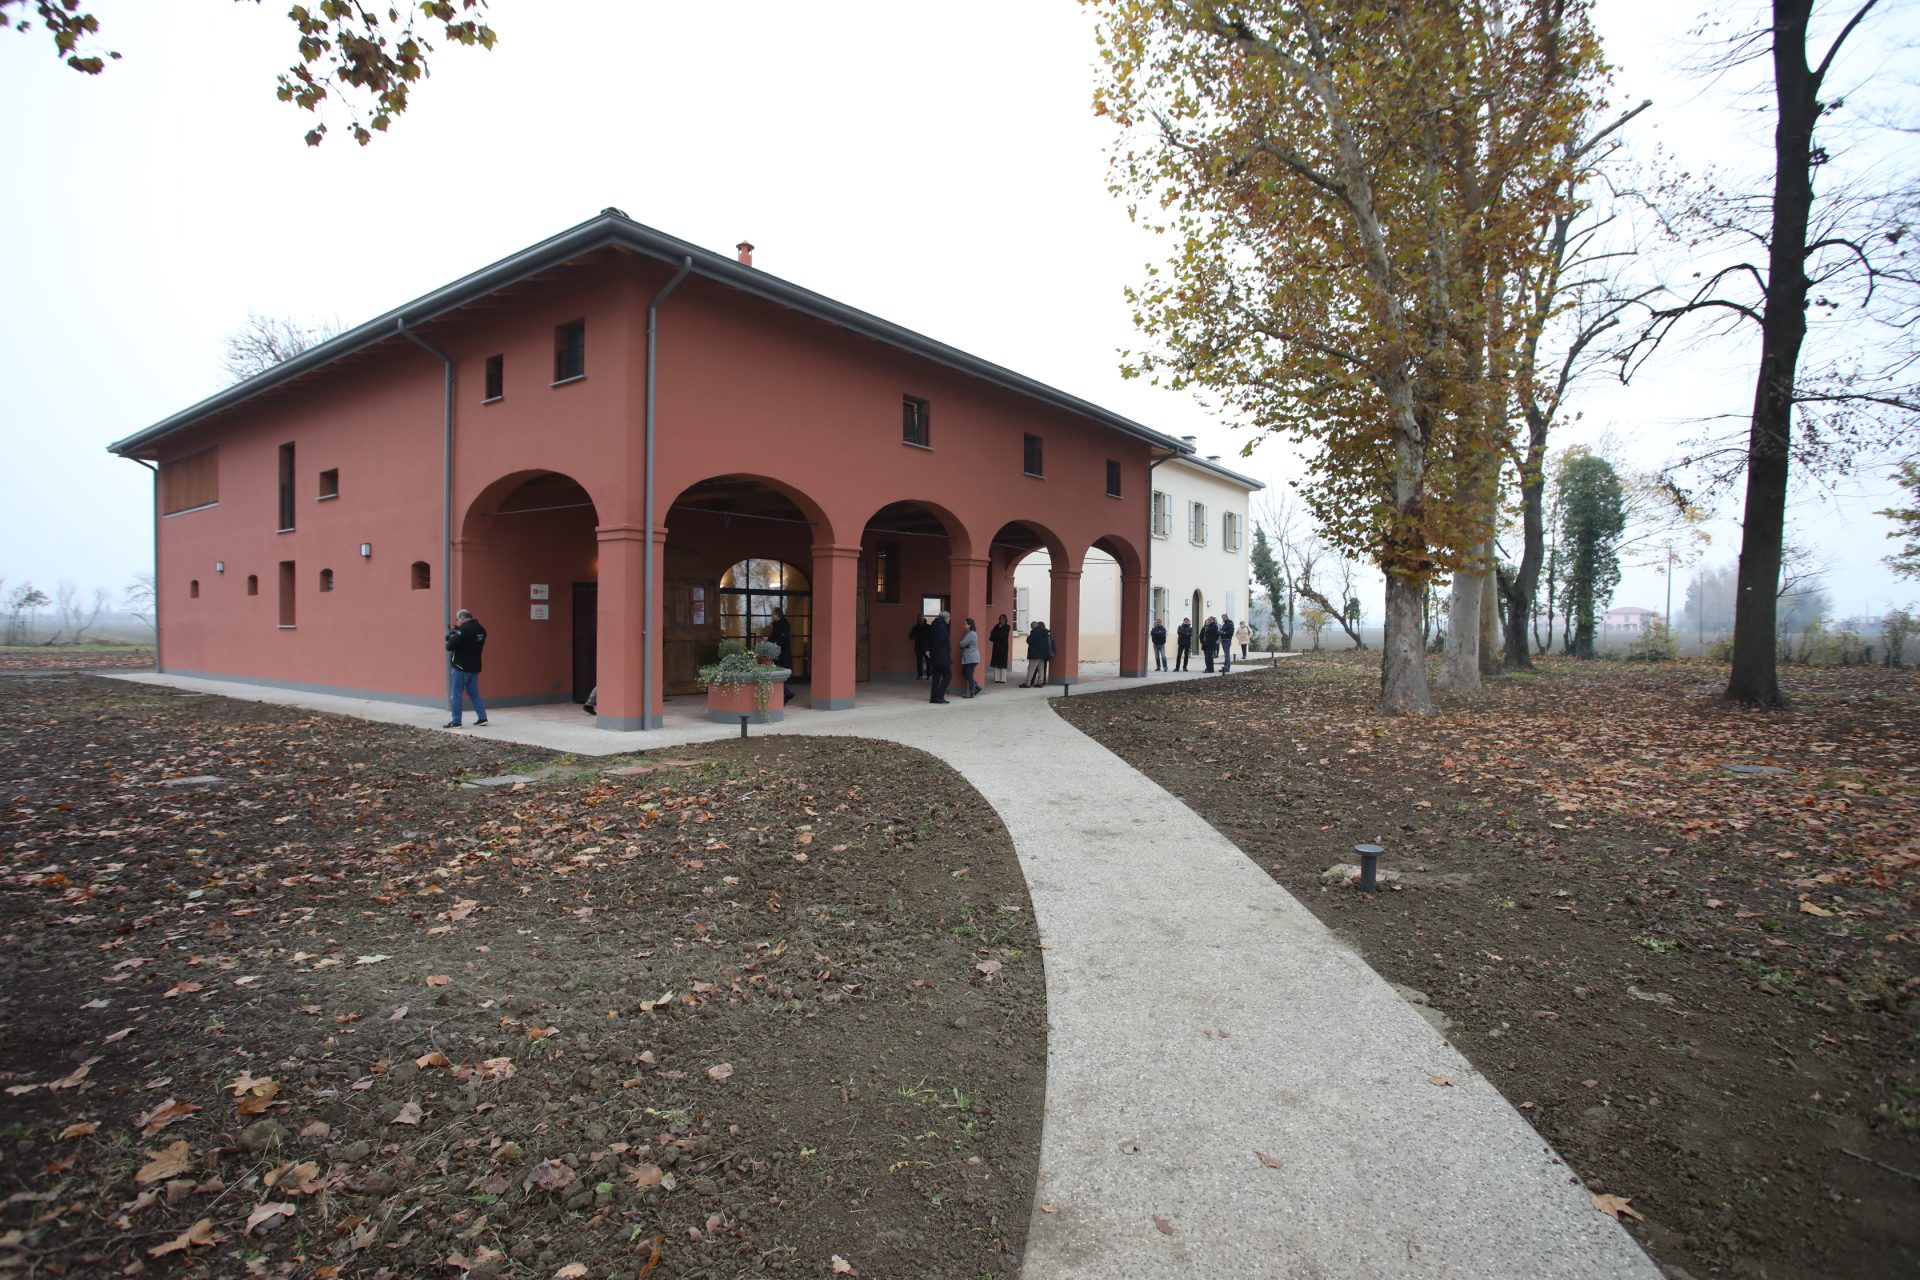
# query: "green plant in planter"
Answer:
x=767 y=650
x=741 y=667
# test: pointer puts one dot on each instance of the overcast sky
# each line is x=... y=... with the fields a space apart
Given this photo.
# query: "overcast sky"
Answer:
x=937 y=164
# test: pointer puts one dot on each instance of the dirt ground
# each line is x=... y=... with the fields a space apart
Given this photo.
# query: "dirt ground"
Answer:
x=76 y=657
x=1700 y=985
x=280 y=996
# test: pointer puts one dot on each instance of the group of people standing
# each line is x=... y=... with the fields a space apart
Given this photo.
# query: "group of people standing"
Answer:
x=933 y=654
x=1216 y=638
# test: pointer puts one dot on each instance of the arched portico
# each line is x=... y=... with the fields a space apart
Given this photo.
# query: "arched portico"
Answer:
x=1132 y=604
x=917 y=557
x=526 y=563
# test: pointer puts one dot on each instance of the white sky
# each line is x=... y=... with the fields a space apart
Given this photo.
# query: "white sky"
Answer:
x=937 y=164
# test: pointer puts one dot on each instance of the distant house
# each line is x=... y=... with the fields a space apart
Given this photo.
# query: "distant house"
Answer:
x=617 y=449
x=1628 y=618
x=1199 y=559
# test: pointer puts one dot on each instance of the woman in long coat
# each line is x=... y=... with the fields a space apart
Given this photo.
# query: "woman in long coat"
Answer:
x=1000 y=645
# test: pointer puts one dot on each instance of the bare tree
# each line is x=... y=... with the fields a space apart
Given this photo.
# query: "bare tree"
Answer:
x=77 y=616
x=265 y=341
x=137 y=597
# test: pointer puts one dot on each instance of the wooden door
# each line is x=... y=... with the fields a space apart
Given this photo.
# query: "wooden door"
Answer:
x=586 y=650
x=690 y=621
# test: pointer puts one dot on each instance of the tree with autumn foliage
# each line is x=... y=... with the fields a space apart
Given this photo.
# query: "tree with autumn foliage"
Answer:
x=367 y=55
x=1346 y=192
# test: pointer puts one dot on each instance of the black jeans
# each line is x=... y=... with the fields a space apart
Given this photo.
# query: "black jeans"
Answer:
x=1160 y=655
x=942 y=677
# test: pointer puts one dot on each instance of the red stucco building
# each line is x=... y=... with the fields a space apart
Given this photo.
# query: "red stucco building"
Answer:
x=615 y=448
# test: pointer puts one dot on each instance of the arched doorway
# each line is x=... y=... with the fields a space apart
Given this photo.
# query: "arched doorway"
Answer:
x=737 y=546
x=528 y=567
x=907 y=556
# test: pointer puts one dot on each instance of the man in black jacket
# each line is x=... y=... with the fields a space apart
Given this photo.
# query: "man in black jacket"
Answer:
x=918 y=633
x=940 y=657
x=1184 y=653
x=1159 y=637
x=464 y=642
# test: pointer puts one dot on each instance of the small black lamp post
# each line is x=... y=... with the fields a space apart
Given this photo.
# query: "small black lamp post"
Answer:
x=743 y=725
x=1369 y=866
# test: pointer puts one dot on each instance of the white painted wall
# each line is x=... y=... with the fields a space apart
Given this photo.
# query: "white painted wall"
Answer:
x=1181 y=566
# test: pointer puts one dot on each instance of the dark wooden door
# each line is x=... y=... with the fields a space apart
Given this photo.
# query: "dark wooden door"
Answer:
x=586 y=628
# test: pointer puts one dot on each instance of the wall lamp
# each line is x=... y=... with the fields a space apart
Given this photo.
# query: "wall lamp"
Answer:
x=219 y=566
x=366 y=551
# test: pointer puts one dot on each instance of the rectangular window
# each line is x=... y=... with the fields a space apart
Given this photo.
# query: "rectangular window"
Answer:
x=1162 y=514
x=330 y=483
x=1021 y=608
x=1197 y=523
x=886 y=572
x=497 y=377
x=570 y=351
x=915 y=424
x=1230 y=531
x=1113 y=478
x=286 y=593
x=1160 y=605
x=193 y=481
x=286 y=487
x=1035 y=461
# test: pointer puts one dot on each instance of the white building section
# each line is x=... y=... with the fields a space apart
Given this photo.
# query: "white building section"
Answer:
x=1200 y=561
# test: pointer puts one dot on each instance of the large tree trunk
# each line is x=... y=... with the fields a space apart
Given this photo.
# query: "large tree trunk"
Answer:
x=1490 y=619
x=1460 y=672
x=1403 y=663
x=1755 y=680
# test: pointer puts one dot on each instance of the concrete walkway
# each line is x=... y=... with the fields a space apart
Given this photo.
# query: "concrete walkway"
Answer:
x=1198 y=1016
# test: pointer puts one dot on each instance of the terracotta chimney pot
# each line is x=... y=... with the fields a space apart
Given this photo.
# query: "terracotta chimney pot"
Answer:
x=746 y=252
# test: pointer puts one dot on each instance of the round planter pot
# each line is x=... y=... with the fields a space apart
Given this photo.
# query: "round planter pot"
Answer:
x=726 y=703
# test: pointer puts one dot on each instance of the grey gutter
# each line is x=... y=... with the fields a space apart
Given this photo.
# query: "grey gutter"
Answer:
x=614 y=229
x=646 y=550
x=1194 y=460
x=446 y=474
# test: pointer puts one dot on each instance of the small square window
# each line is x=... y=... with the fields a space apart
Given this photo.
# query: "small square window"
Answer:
x=1113 y=478
x=326 y=579
x=330 y=483
x=915 y=427
x=496 y=377
x=1035 y=461
x=570 y=351
x=422 y=575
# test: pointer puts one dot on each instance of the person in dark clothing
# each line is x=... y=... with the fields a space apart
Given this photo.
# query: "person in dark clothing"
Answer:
x=919 y=633
x=940 y=657
x=465 y=639
x=1039 y=655
x=1183 y=653
x=1226 y=644
x=1000 y=646
x=1210 y=640
x=1159 y=635
x=780 y=632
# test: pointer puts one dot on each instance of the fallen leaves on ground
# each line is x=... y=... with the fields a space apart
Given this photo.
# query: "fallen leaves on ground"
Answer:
x=1613 y=1206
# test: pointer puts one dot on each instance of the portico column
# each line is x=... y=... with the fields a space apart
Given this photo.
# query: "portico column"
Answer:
x=617 y=634
x=836 y=586
x=1065 y=627
x=1133 y=624
x=967 y=581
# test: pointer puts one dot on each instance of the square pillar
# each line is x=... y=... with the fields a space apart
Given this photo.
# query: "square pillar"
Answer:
x=836 y=586
x=967 y=583
x=619 y=637
x=1065 y=626
x=1133 y=624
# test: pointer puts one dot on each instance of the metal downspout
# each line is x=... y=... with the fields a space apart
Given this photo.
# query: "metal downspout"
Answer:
x=446 y=474
x=155 y=468
x=647 y=585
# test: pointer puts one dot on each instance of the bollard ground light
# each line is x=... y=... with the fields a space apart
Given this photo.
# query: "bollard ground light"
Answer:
x=743 y=725
x=1369 y=866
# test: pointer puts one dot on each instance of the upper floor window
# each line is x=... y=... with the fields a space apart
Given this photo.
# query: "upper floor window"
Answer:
x=1230 y=531
x=497 y=375
x=1162 y=514
x=190 y=482
x=570 y=351
x=1035 y=461
x=326 y=579
x=330 y=483
x=1113 y=478
x=422 y=575
x=1197 y=523
x=915 y=427
x=286 y=487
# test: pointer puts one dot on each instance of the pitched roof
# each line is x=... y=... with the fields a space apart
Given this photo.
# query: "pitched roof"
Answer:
x=1207 y=464
x=614 y=229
